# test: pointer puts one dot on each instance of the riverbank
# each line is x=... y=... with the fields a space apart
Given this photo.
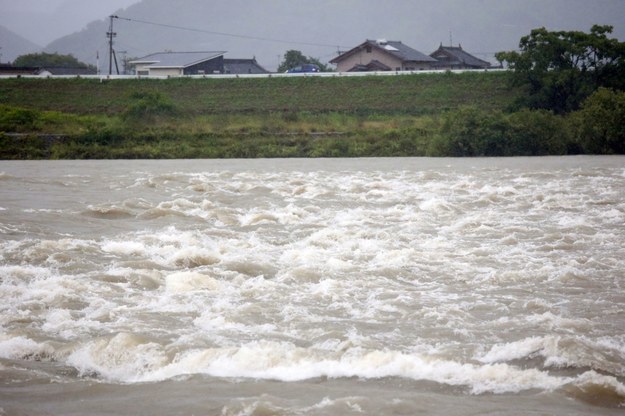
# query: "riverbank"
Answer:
x=444 y=114
x=414 y=94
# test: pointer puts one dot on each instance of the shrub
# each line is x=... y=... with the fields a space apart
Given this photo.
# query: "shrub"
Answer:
x=537 y=133
x=26 y=147
x=148 y=105
x=475 y=132
x=13 y=119
x=600 y=124
x=472 y=132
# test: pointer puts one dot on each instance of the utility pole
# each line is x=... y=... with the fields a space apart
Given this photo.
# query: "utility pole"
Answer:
x=111 y=35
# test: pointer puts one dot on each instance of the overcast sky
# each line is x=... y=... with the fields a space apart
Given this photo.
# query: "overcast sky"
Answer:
x=482 y=26
x=42 y=21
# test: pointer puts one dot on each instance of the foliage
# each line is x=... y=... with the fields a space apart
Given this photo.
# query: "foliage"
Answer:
x=471 y=132
x=537 y=133
x=420 y=115
x=561 y=68
x=601 y=122
x=474 y=132
x=23 y=147
x=23 y=120
x=16 y=120
x=50 y=60
x=148 y=105
x=293 y=58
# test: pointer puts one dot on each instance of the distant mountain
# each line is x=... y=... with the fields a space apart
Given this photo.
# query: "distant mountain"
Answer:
x=42 y=21
x=267 y=29
x=85 y=45
x=13 y=45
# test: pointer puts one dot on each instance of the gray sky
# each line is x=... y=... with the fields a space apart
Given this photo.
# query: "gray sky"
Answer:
x=481 y=26
x=42 y=21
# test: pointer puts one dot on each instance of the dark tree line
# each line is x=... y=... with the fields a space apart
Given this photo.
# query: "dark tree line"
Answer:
x=560 y=69
x=572 y=101
x=51 y=60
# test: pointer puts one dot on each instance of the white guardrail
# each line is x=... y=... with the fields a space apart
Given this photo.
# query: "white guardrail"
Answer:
x=102 y=77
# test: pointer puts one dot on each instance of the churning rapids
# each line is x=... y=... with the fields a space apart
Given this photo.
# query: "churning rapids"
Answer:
x=313 y=287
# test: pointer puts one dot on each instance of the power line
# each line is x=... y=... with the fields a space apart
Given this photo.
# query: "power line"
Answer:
x=232 y=35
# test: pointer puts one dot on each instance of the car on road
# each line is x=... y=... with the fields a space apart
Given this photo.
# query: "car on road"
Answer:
x=303 y=68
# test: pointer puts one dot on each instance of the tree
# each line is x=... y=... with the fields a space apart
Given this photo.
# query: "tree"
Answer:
x=560 y=69
x=51 y=60
x=294 y=58
x=601 y=122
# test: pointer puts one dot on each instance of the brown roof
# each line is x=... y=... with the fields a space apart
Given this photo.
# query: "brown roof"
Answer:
x=456 y=56
x=394 y=48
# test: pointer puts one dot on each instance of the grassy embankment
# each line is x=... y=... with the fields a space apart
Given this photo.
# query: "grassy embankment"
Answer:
x=409 y=115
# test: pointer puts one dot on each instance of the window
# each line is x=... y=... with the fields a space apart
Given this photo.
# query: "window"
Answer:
x=368 y=49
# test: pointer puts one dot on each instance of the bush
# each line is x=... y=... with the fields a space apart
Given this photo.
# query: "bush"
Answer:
x=17 y=120
x=105 y=136
x=148 y=105
x=600 y=124
x=471 y=132
x=537 y=133
x=26 y=147
x=474 y=132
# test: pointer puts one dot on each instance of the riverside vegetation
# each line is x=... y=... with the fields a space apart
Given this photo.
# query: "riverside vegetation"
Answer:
x=442 y=114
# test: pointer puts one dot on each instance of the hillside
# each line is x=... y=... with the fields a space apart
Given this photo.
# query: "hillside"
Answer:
x=443 y=114
x=13 y=45
x=408 y=94
x=269 y=117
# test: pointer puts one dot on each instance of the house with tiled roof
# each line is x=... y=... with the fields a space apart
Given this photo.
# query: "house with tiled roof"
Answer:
x=10 y=70
x=194 y=63
x=180 y=63
x=454 y=57
x=243 y=66
x=382 y=55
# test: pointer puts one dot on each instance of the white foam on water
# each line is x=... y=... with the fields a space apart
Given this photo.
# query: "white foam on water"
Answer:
x=23 y=273
x=190 y=281
x=124 y=357
x=494 y=280
x=605 y=354
x=127 y=358
x=59 y=321
x=128 y=248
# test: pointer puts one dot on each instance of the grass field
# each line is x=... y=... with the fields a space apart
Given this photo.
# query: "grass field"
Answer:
x=407 y=94
x=240 y=117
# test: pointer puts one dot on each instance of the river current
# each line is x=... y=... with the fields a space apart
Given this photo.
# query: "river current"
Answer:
x=313 y=287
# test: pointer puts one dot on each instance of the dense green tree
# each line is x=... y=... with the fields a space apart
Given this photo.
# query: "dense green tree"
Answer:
x=601 y=122
x=293 y=58
x=49 y=60
x=537 y=133
x=471 y=131
x=560 y=69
